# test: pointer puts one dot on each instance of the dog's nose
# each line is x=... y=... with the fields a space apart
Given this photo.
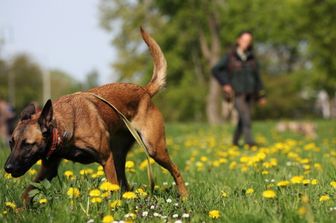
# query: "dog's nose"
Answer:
x=9 y=168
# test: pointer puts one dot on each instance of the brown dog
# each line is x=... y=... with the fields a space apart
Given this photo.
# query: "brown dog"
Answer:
x=82 y=128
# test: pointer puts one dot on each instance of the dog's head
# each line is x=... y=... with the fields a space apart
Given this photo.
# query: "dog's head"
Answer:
x=30 y=139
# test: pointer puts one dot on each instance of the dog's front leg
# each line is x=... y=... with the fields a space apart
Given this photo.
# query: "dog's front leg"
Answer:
x=47 y=171
x=110 y=171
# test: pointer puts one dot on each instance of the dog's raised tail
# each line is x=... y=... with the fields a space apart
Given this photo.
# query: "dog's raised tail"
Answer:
x=158 y=80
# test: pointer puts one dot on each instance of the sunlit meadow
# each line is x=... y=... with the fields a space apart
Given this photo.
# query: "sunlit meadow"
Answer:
x=289 y=178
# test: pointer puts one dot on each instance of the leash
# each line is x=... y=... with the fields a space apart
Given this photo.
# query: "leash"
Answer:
x=134 y=133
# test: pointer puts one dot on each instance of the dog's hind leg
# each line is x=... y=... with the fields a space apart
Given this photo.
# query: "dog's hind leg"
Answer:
x=120 y=144
x=151 y=128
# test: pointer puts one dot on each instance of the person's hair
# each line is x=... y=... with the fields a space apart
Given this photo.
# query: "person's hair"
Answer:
x=240 y=34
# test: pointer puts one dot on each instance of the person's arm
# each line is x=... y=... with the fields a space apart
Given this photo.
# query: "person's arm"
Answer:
x=220 y=71
x=259 y=84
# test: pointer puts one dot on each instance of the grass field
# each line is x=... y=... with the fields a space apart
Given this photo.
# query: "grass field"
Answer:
x=288 y=179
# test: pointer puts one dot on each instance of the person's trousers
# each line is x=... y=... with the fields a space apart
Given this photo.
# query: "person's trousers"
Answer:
x=243 y=104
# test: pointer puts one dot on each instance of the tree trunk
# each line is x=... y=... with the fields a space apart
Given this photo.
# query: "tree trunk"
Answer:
x=211 y=54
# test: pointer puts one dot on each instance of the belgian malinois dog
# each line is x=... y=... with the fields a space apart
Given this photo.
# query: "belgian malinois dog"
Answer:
x=82 y=128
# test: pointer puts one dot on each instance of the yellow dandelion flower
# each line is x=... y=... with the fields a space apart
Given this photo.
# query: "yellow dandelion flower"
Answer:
x=324 y=198
x=318 y=166
x=107 y=186
x=116 y=203
x=9 y=204
x=216 y=163
x=68 y=174
x=314 y=182
x=141 y=192
x=94 y=193
x=249 y=191
x=224 y=194
x=105 y=194
x=143 y=164
x=269 y=194
x=129 y=195
x=73 y=192
x=296 y=179
x=94 y=176
x=333 y=184
x=32 y=172
x=96 y=200
x=306 y=181
x=8 y=176
x=129 y=164
x=43 y=201
x=214 y=214
x=265 y=172
x=233 y=165
x=87 y=171
x=302 y=211
x=283 y=183
x=108 y=219
x=100 y=173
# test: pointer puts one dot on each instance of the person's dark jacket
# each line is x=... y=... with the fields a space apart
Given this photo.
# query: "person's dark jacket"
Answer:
x=242 y=75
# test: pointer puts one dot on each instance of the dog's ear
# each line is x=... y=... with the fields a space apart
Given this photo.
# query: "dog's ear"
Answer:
x=46 y=116
x=27 y=112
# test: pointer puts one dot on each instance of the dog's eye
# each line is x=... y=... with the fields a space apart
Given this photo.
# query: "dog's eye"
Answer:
x=11 y=143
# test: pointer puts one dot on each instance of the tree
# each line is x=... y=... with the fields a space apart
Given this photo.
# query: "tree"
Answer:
x=320 y=26
x=91 y=80
x=194 y=34
x=62 y=83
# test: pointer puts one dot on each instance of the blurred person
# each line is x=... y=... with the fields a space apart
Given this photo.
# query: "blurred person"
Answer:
x=6 y=116
x=238 y=74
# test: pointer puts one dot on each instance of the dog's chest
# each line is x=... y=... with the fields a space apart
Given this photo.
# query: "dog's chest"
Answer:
x=84 y=156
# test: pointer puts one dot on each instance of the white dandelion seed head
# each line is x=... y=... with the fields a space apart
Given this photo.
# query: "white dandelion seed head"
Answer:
x=185 y=215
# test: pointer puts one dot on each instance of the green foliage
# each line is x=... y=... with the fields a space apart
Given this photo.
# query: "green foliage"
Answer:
x=28 y=81
x=64 y=82
x=320 y=26
x=287 y=101
x=288 y=34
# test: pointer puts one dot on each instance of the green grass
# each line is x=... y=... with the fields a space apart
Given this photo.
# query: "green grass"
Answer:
x=217 y=175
